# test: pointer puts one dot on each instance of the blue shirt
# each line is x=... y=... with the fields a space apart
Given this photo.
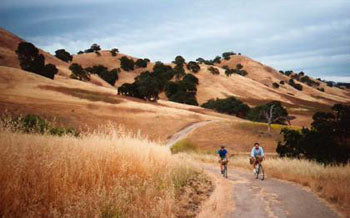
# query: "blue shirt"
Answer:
x=256 y=152
x=222 y=153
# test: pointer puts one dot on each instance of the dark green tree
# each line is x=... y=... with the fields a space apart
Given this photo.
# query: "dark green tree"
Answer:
x=30 y=60
x=63 y=55
x=127 y=64
x=193 y=66
x=79 y=73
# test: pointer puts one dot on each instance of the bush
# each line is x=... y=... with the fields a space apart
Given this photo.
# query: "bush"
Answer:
x=326 y=141
x=230 y=105
x=32 y=123
x=97 y=53
x=295 y=85
x=282 y=82
x=184 y=146
x=238 y=70
x=80 y=52
x=126 y=63
x=179 y=60
x=320 y=89
x=30 y=60
x=63 y=55
x=141 y=63
x=179 y=71
x=227 y=55
x=275 y=85
x=93 y=48
x=114 y=51
x=193 y=66
x=217 y=60
x=79 y=73
x=214 y=70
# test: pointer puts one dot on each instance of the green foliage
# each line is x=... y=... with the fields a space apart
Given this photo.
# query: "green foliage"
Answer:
x=193 y=66
x=279 y=113
x=179 y=71
x=79 y=73
x=30 y=60
x=295 y=85
x=327 y=141
x=183 y=91
x=93 y=48
x=63 y=55
x=104 y=73
x=308 y=81
x=227 y=55
x=127 y=64
x=80 y=52
x=238 y=70
x=35 y=124
x=230 y=105
x=275 y=85
x=214 y=70
x=141 y=63
x=114 y=51
x=217 y=60
x=179 y=60
x=184 y=146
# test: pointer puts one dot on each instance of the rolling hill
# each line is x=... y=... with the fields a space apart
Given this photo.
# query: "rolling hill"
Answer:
x=90 y=105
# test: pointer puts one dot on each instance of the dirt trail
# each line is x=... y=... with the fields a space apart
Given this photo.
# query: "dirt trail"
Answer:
x=185 y=131
x=241 y=195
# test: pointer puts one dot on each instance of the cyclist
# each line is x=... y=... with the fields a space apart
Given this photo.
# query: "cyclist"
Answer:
x=256 y=155
x=222 y=158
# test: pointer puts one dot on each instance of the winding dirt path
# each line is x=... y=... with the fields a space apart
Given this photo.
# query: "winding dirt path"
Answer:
x=241 y=195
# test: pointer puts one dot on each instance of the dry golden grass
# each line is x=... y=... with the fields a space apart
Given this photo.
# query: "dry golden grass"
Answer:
x=329 y=182
x=110 y=175
x=238 y=136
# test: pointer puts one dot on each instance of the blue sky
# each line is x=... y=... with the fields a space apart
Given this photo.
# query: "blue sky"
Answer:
x=310 y=36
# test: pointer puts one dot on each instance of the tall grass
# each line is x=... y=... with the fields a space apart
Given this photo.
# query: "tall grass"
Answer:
x=108 y=175
x=329 y=182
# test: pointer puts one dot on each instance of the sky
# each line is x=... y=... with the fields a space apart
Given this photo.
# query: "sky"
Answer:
x=300 y=35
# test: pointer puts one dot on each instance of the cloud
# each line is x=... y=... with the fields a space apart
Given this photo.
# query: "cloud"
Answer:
x=297 y=35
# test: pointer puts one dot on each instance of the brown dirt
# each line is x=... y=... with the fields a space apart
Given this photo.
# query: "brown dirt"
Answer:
x=191 y=197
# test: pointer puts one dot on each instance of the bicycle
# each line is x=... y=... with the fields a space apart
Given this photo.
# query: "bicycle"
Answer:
x=224 y=163
x=259 y=171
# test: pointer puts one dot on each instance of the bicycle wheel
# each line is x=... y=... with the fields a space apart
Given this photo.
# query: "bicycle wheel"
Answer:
x=225 y=171
x=261 y=172
x=257 y=171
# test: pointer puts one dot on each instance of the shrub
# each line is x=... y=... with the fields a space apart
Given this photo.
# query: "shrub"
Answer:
x=30 y=60
x=179 y=71
x=193 y=66
x=227 y=55
x=32 y=123
x=275 y=85
x=295 y=85
x=200 y=60
x=126 y=63
x=184 y=146
x=288 y=72
x=282 y=82
x=230 y=105
x=93 y=48
x=114 y=51
x=214 y=70
x=80 y=52
x=179 y=60
x=79 y=73
x=104 y=73
x=217 y=60
x=320 y=89
x=63 y=55
x=97 y=53
x=50 y=71
x=141 y=63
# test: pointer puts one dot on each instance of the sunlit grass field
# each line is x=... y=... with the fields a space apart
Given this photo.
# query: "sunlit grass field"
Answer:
x=112 y=174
